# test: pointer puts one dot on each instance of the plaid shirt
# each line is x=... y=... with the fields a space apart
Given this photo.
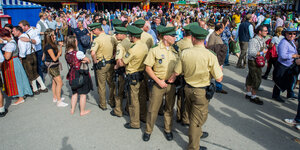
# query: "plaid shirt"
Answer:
x=226 y=34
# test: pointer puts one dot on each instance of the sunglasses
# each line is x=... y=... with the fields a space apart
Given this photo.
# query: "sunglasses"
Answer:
x=292 y=33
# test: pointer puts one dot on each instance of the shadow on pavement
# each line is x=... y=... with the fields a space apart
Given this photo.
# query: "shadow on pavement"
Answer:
x=65 y=145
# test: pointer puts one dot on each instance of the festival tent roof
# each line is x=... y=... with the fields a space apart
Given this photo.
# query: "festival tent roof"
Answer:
x=21 y=10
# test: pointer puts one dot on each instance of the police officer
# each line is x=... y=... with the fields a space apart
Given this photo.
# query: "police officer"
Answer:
x=144 y=93
x=145 y=37
x=117 y=23
x=160 y=64
x=198 y=65
x=122 y=48
x=102 y=54
x=133 y=60
x=182 y=106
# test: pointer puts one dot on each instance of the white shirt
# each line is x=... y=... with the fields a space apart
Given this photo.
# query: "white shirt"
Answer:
x=10 y=47
x=35 y=36
x=210 y=32
x=1 y=57
x=276 y=40
x=38 y=26
x=260 y=19
x=24 y=47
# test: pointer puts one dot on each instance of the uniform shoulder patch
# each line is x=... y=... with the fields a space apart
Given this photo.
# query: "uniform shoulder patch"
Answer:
x=93 y=44
x=212 y=52
x=127 y=55
x=154 y=46
x=132 y=45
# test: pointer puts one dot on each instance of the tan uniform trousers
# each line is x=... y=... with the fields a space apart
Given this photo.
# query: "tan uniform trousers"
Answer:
x=182 y=115
x=198 y=114
x=156 y=99
x=134 y=105
x=119 y=97
x=105 y=74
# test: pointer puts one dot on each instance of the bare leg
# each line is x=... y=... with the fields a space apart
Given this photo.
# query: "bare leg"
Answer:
x=253 y=92
x=53 y=89
x=73 y=103
x=82 y=105
x=1 y=99
x=19 y=99
x=249 y=89
x=58 y=87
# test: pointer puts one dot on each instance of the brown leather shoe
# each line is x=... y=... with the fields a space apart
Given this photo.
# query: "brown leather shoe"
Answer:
x=222 y=91
x=43 y=91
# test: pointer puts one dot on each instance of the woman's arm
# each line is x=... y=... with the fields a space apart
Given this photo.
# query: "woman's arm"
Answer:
x=53 y=57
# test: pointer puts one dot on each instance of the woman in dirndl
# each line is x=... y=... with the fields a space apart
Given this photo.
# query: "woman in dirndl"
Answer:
x=14 y=76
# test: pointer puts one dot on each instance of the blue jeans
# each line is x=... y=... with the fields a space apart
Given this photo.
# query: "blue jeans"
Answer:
x=219 y=86
x=227 y=54
x=290 y=92
x=39 y=55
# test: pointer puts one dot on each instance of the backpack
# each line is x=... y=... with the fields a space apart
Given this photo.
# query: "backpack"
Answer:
x=85 y=41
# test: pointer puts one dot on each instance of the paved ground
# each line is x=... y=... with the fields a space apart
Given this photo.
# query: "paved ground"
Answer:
x=233 y=123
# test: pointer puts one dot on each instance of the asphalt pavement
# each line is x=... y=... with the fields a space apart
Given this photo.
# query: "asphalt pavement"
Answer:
x=233 y=122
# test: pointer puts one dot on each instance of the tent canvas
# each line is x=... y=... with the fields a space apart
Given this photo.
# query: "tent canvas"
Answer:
x=21 y=10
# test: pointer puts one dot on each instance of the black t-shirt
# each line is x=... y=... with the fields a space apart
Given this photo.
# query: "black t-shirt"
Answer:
x=48 y=57
x=79 y=33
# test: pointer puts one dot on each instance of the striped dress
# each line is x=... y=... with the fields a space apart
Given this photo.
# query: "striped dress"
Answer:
x=15 y=79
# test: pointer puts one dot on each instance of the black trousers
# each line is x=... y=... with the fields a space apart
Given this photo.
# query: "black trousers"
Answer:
x=271 y=62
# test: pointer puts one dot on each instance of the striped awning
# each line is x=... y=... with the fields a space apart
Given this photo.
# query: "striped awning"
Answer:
x=101 y=1
x=17 y=2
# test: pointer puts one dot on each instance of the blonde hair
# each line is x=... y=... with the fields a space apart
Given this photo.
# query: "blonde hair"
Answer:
x=278 y=31
x=57 y=19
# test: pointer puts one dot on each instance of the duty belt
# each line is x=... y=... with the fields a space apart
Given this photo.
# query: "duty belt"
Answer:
x=103 y=63
x=132 y=79
x=189 y=86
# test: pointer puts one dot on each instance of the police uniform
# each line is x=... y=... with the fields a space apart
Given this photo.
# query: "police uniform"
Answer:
x=144 y=91
x=122 y=48
x=162 y=59
x=198 y=65
x=116 y=23
x=134 y=59
x=183 y=106
x=104 y=46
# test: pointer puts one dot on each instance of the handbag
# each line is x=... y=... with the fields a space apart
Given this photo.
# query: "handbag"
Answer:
x=78 y=81
x=260 y=61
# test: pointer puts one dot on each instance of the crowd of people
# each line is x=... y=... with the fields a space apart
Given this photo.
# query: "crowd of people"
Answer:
x=152 y=58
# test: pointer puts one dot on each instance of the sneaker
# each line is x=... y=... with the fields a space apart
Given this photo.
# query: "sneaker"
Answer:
x=290 y=121
x=55 y=100
x=61 y=104
x=297 y=127
x=43 y=90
